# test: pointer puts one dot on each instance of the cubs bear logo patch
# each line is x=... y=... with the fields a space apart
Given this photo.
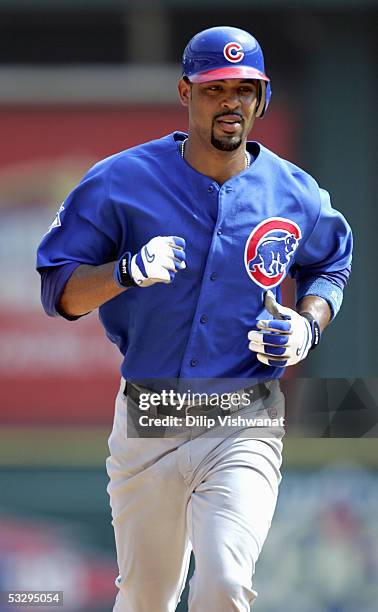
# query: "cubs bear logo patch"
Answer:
x=269 y=250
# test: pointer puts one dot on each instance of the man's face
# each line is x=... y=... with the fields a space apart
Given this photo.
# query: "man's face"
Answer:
x=221 y=112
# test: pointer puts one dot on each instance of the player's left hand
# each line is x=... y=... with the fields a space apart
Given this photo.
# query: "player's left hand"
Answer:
x=284 y=340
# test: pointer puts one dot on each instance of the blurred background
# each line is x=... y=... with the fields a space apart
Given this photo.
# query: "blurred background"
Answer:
x=81 y=80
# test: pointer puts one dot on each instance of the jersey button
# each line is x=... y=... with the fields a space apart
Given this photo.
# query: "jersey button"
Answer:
x=194 y=362
x=213 y=276
x=210 y=189
x=204 y=318
x=219 y=232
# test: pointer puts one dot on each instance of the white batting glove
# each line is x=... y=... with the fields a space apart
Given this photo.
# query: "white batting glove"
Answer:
x=158 y=261
x=284 y=340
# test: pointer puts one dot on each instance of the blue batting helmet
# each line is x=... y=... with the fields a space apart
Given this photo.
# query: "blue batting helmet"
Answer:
x=226 y=53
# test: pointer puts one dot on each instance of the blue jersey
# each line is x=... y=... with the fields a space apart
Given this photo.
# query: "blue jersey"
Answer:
x=242 y=238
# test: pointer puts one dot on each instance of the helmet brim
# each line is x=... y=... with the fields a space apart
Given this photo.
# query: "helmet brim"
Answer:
x=229 y=72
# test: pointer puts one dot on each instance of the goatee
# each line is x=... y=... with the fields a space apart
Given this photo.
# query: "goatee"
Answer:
x=226 y=144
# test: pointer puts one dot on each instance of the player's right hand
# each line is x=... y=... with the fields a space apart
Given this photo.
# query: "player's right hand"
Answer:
x=158 y=261
x=284 y=340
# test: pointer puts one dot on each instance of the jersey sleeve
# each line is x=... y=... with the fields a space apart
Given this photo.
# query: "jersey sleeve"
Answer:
x=329 y=246
x=323 y=264
x=53 y=282
x=87 y=228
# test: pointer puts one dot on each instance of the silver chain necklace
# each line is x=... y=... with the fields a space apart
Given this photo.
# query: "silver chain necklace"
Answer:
x=247 y=155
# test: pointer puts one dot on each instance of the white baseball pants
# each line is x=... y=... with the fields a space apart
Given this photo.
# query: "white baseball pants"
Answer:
x=170 y=495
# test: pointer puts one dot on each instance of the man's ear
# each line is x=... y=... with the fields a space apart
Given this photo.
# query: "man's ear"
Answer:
x=184 y=90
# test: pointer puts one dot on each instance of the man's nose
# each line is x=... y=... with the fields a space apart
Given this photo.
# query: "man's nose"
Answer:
x=231 y=100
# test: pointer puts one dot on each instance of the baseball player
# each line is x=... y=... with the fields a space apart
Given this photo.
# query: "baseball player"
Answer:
x=183 y=243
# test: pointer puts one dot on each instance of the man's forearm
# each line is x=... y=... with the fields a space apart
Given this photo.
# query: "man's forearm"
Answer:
x=317 y=307
x=88 y=288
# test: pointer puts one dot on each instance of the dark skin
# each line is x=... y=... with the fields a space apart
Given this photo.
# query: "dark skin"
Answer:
x=221 y=115
x=317 y=307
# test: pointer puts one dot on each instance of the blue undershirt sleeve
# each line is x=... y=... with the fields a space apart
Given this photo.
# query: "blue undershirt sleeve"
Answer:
x=328 y=286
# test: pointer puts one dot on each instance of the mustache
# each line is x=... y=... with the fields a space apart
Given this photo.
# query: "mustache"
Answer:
x=227 y=113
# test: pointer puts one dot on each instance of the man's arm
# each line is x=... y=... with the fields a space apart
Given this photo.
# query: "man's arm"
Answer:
x=91 y=286
x=88 y=288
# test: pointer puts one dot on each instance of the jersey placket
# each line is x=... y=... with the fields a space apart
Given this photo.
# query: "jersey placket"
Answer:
x=194 y=363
